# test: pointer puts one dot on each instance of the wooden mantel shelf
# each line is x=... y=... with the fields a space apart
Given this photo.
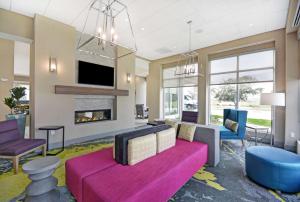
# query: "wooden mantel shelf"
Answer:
x=79 y=90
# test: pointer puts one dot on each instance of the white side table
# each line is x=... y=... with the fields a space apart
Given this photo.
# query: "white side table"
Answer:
x=259 y=129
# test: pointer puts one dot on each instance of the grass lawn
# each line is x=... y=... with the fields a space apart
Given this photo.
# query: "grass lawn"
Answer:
x=259 y=122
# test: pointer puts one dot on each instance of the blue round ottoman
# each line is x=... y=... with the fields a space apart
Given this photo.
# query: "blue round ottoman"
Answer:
x=273 y=168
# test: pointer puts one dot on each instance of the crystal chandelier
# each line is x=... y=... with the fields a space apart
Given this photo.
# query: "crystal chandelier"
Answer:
x=187 y=64
x=100 y=29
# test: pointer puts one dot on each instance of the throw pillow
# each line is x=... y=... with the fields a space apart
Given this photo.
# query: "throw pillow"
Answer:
x=172 y=123
x=141 y=148
x=165 y=139
x=231 y=125
x=187 y=132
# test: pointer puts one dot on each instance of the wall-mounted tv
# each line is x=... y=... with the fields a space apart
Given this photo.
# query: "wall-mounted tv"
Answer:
x=94 y=74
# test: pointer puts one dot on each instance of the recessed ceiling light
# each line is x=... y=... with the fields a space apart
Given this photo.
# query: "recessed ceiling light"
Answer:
x=143 y=29
x=250 y=25
x=174 y=47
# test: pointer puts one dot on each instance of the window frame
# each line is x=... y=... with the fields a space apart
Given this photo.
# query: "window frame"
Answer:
x=180 y=90
x=237 y=76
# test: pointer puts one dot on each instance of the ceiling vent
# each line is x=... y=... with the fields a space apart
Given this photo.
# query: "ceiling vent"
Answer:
x=163 y=50
x=296 y=21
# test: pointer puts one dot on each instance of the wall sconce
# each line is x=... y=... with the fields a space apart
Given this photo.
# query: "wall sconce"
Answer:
x=128 y=77
x=52 y=64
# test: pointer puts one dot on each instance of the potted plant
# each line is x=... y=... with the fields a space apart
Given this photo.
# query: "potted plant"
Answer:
x=13 y=102
x=17 y=93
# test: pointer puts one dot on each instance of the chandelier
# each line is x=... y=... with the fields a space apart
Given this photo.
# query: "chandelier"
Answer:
x=100 y=32
x=187 y=64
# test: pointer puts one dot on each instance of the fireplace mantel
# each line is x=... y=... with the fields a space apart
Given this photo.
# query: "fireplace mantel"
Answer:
x=79 y=90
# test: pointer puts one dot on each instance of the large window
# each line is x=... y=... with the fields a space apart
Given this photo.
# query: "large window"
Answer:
x=180 y=92
x=238 y=81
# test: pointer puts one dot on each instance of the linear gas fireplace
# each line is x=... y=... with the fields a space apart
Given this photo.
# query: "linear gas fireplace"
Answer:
x=87 y=116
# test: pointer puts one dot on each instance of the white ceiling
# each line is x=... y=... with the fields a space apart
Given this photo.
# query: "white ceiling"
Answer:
x=165 y=31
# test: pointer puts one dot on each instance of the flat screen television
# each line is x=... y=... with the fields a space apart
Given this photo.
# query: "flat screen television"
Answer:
x=94 y=74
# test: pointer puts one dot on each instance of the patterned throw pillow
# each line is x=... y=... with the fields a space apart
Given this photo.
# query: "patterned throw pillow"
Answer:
x=165 y=139
x=231 y=125
x=187 y=132
x=141 y=148
x=172 y=123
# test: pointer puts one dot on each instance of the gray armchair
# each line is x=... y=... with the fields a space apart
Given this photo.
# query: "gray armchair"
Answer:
x=141 y=111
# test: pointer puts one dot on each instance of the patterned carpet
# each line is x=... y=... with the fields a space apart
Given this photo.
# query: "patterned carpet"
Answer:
x=226 y=182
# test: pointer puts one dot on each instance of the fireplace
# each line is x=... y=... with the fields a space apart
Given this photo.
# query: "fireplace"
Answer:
x=87 y=116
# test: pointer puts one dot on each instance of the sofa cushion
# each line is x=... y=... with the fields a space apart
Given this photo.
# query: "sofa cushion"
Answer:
x=121 y=141
x=80 y=167
x=154 y=179
x=19 y=146
x=165 y=139
x=187 y=132
x=231 y=125
x=141 y=148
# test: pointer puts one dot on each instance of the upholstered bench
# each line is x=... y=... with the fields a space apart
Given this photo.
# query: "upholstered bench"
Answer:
x=273 y=168
x=80 y=167
x=99 y=177
x=154 y=179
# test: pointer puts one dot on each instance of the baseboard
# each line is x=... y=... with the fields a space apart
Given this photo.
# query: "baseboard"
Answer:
x=278 y=144
x=106 y=135
x=291 y=148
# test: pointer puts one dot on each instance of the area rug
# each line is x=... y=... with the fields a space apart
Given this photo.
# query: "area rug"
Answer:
x=226 y=182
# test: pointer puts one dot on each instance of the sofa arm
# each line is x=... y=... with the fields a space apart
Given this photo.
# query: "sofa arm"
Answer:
x=211 y=136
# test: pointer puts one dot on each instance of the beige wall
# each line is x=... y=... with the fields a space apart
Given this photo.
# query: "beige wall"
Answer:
x=6 y=72
x=292 y=132
x=16 y=25
x=154 y=90
x=56 y=39
x=140 y=90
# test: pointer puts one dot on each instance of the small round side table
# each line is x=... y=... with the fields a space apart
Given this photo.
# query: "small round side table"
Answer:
x=43 y=185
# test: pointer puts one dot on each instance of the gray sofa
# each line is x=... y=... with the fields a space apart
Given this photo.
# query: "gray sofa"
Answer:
x=205 y=134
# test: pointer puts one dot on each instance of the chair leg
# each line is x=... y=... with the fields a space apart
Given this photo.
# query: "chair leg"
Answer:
x=44 y=148
x=243 y=142
x=16 y=164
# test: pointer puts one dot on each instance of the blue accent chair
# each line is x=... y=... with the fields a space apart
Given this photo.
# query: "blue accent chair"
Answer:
x=236 y=115
x=273 y=168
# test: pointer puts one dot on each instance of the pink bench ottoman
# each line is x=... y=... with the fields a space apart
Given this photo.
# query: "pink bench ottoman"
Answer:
x=81 y=167
x=155 y=179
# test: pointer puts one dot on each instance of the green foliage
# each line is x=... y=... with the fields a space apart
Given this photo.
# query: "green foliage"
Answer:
x=10 y=102
x=227 y=93
x=17 y=93
x=216 y=119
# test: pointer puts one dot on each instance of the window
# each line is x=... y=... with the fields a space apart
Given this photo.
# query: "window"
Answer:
x=180 y=92
x=238 y=81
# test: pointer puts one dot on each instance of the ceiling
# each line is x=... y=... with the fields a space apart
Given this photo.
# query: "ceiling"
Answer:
x=160 y=25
